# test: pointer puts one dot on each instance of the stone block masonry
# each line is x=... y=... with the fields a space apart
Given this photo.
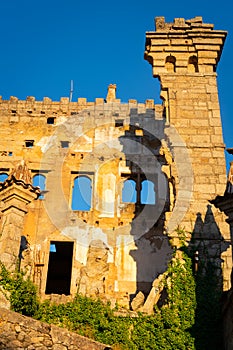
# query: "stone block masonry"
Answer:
x=21 y=332
x=184 y=56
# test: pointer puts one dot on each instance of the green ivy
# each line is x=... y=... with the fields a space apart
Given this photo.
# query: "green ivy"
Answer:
x=181 y=323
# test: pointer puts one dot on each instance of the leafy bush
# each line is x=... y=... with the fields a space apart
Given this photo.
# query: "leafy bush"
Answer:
x=168 y=329
x=23 y=293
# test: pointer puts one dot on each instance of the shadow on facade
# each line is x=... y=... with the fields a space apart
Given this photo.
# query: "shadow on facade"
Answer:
x=142 y=149
x=207 y=246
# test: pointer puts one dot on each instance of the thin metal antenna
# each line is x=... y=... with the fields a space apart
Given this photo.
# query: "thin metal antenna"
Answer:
x=71 y=90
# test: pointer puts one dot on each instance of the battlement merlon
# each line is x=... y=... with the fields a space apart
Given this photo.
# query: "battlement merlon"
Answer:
x=191 y=46
x=32 y=107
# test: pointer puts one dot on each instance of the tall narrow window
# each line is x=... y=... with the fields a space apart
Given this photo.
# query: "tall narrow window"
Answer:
x=129 y=194
x=3 y=177
x=81 y=195
x=147 y=192
x=39 y=181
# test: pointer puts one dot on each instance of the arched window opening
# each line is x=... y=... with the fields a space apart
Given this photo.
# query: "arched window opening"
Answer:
x=3 y=177
x=81 y=194
x=39 y=181
x=148 y=192
x=193 y=64
x=129 y=193
x=170 y=64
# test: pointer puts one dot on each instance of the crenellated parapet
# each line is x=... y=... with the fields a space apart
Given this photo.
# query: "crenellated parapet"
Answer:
x=15 y=108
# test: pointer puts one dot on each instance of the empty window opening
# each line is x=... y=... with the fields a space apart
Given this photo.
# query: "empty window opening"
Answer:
x=65 y=144
x=81 y=194
x=29 y=112
x=42 y=112
x=29 y=143
x=170 y=64
x=13 y=111
x=52 y=248
x=119 y=123
x=51 y=120
x=59 y=268
x=129 y=193
x=3 y=177
x=193 y=64
x=39 y=181
x=147 y=192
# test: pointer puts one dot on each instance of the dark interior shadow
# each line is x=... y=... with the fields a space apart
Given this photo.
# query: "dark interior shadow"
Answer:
x=24 y=244
x=141 y=146
x=206 y=247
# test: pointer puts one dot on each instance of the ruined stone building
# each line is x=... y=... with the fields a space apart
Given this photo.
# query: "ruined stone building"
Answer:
x=91 y=191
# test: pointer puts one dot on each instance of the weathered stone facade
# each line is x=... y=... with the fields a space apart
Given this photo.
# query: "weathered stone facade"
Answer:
x=171 y=156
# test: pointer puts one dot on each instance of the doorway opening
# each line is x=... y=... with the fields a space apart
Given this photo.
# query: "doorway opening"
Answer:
x=59 y=268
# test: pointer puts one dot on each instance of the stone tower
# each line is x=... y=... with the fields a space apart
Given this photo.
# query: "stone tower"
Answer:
x=184 y=56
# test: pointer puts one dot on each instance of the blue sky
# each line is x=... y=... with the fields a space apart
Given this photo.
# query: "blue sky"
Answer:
x=45 y=44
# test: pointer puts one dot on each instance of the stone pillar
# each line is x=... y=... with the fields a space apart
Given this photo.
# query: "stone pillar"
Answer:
x=15 y=195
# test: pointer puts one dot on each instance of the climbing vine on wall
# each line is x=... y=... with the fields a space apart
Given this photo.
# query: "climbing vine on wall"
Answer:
x=187 y=317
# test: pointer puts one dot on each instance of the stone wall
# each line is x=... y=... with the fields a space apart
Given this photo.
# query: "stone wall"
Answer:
x=21 y=332
x=107 y=142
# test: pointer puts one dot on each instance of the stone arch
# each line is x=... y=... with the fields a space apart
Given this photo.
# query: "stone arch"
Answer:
x=193 y=64
x=82 y=193
x=170 y=64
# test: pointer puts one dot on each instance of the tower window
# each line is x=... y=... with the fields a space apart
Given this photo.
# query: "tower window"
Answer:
x=193 y=64
x=170 y=64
